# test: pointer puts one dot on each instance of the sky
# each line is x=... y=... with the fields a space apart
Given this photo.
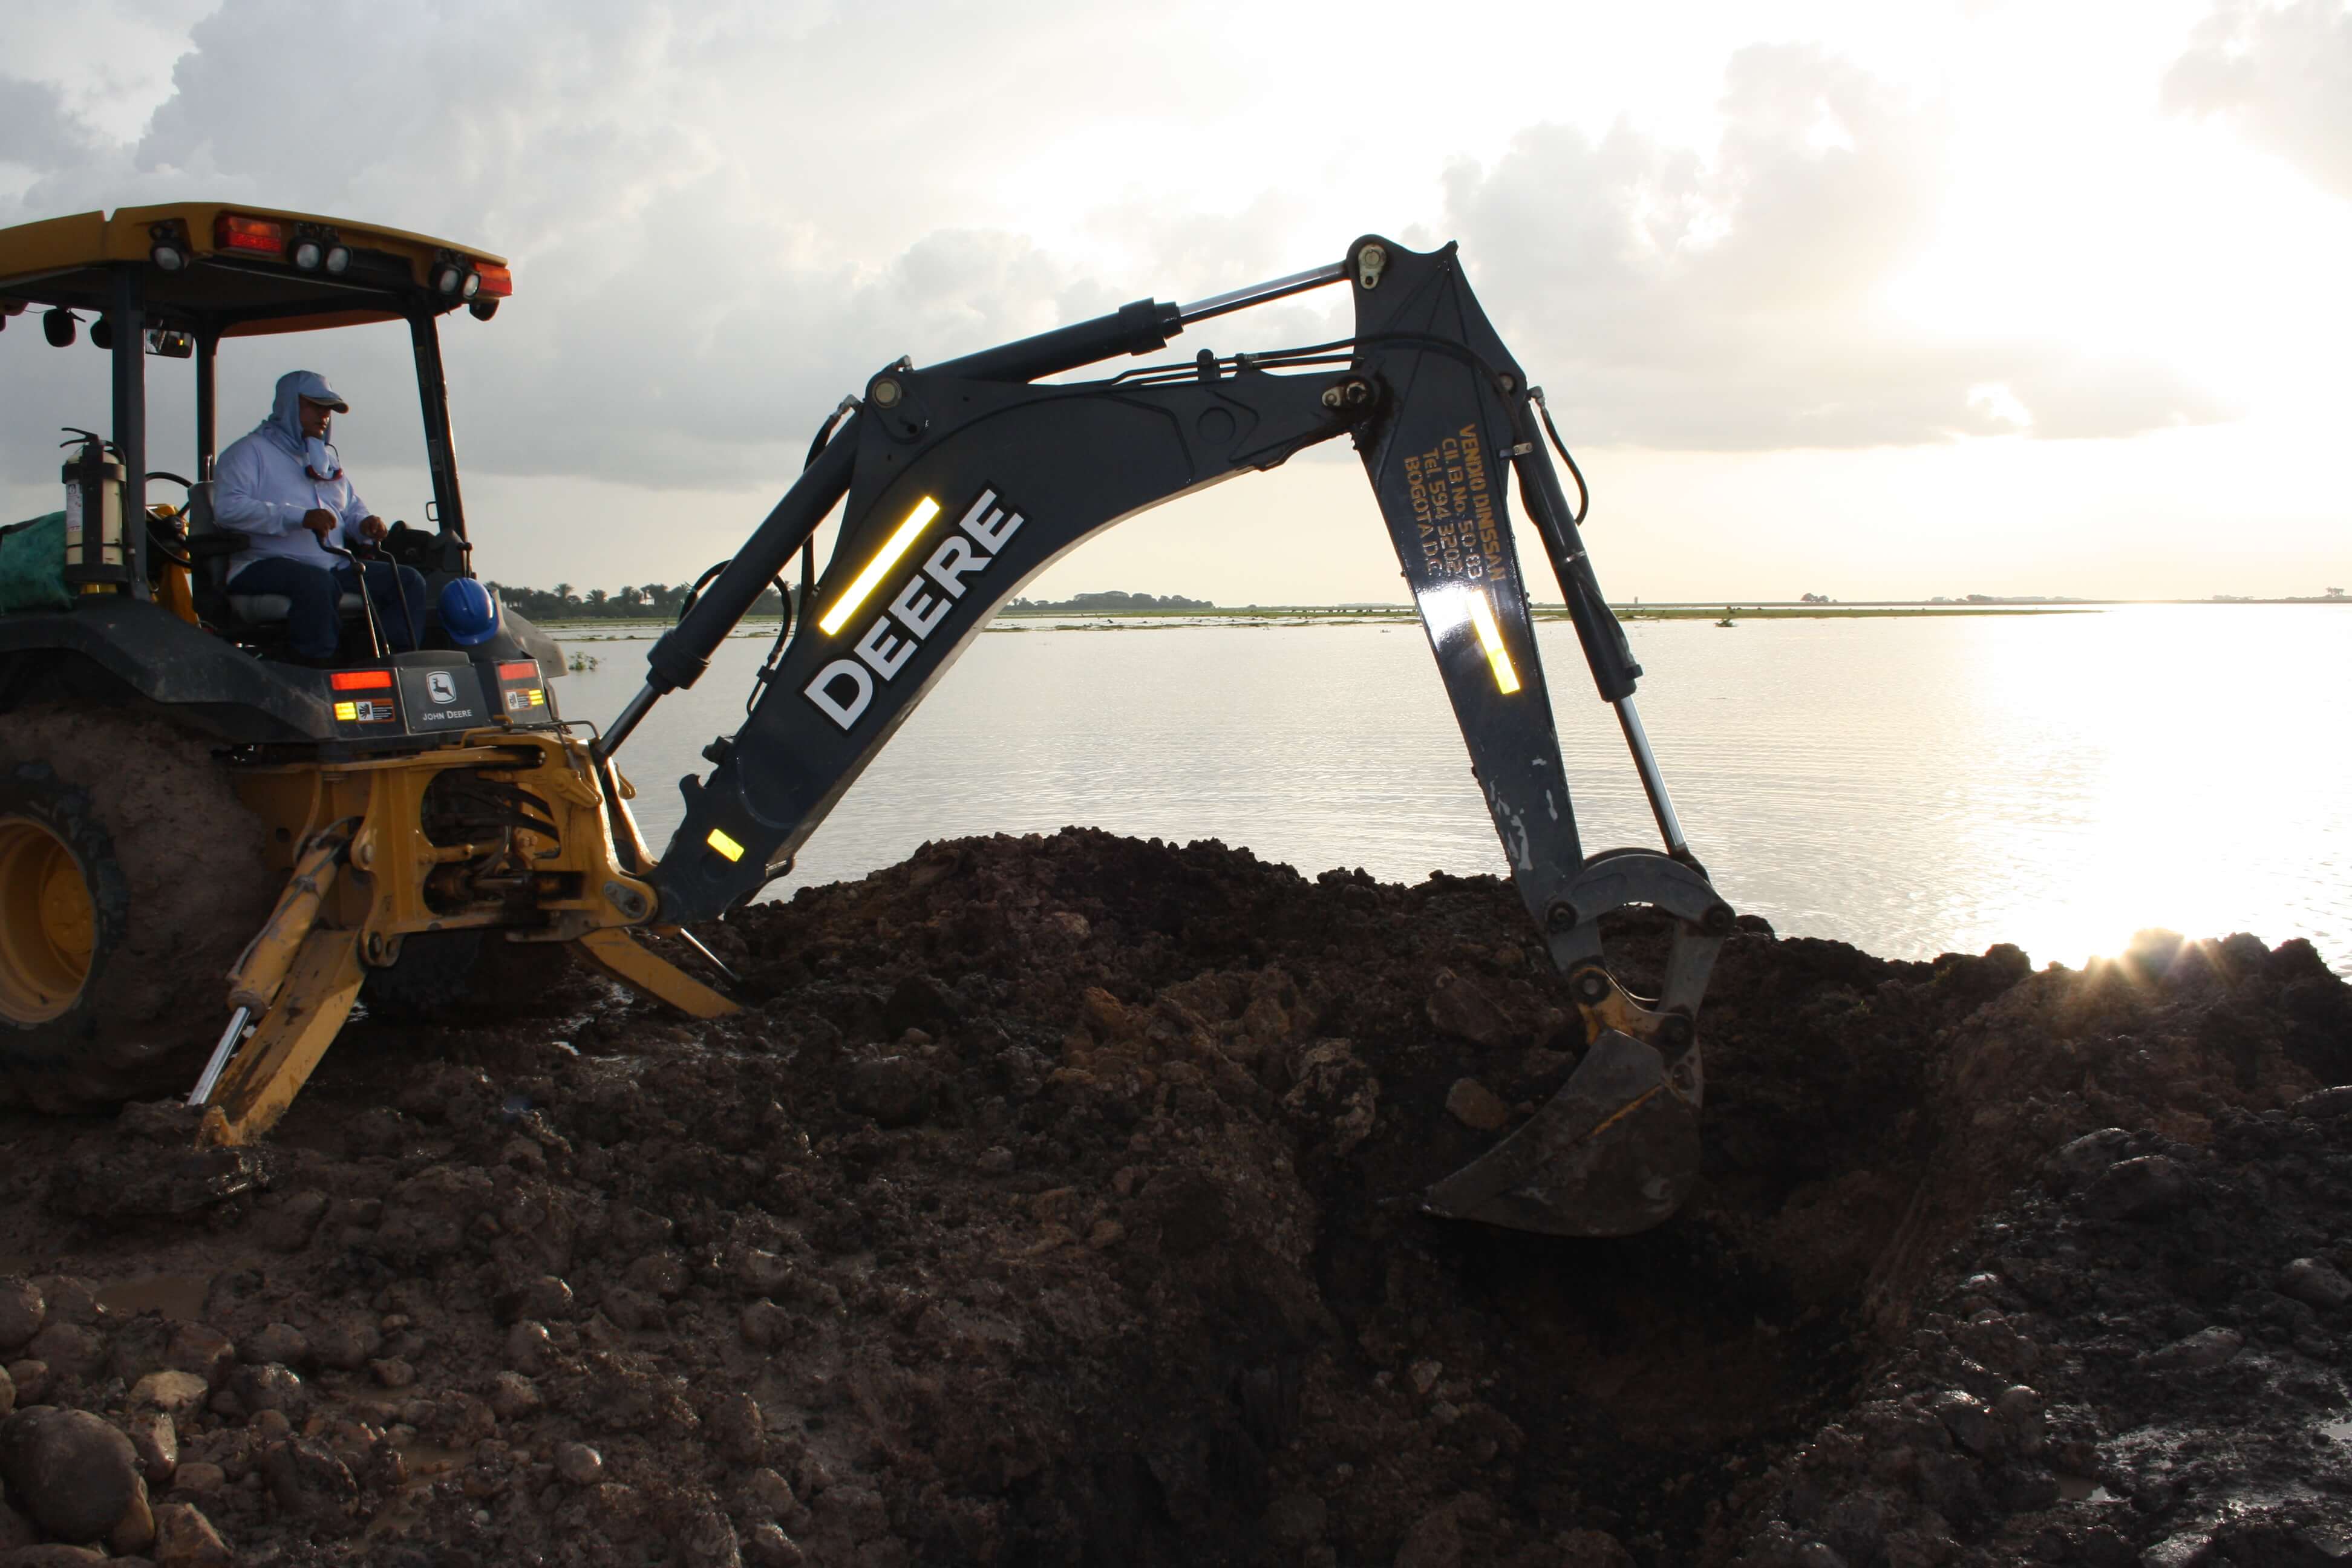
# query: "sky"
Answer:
x=1870 y=300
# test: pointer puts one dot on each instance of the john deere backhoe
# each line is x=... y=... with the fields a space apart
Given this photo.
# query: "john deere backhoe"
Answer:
x=191 y=825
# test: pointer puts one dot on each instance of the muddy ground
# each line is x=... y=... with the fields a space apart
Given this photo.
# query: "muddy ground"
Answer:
x=1053 y=1203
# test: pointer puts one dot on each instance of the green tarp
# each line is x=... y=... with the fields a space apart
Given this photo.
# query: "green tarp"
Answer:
x=33 y=565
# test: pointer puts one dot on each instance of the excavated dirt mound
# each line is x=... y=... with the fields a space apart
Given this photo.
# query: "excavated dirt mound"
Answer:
x=1053 y=1202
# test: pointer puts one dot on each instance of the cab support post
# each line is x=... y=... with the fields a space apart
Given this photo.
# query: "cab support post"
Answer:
x=207 y=402
x=433 y=400
x=127 y=319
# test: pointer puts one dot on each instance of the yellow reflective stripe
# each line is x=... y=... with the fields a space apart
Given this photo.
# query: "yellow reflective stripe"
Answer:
x=901 y=539
x=724 y=845
x=1490 y=637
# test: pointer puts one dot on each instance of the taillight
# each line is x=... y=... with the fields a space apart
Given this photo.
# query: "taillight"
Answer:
x=498 y=282
x=359 y=680
x=258 y=235
x=523 y=669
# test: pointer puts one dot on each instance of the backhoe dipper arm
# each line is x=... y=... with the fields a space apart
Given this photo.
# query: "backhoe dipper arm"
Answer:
x=965 y=481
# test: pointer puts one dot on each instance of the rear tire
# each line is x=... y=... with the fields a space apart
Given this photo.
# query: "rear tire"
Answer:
x=131 y=878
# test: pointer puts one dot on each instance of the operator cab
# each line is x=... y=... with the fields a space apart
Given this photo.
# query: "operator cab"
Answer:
x=173 y=281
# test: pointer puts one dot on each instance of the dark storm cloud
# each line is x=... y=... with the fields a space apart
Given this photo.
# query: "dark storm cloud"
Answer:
x=1740 y=301
x=2283 y=75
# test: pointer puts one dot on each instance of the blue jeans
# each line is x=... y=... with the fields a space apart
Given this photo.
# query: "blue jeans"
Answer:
x=398 y=593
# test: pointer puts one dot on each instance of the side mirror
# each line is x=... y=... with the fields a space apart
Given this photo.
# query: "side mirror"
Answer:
x=171 y=345
x=57 y=326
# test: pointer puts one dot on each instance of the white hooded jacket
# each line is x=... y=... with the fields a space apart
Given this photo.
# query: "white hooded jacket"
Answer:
x=262 y=487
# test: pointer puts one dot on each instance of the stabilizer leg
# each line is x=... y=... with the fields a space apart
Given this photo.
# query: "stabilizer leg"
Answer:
x=262 y=1079
x=626 y=959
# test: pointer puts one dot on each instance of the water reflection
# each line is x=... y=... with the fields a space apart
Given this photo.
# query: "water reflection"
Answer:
x=1909 y=786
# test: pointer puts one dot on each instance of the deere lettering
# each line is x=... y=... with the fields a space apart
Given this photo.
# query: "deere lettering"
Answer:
x=845 y=688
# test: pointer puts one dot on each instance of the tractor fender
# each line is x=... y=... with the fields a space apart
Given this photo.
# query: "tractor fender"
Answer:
x=194 y=677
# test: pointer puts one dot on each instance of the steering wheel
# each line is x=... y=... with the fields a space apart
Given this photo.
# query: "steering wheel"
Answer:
x=168 y=535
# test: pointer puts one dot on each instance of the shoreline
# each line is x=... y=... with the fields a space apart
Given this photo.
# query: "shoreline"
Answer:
x=1344 y=615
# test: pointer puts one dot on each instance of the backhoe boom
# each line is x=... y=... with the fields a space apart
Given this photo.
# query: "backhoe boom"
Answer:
x=962 y=482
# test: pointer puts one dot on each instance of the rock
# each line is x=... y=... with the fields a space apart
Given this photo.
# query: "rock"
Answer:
x=1458 y=1007
x=309 y=1481
x=547 y=1299
x=184 y=1537
x=1473 y=1104
x=22 y=1312
x=513 y=1396
x=345 y=1344
x=199 y=1479
x=201 y=1349
x=1434 y=1542
x=768 y=1495
x=55 y=1555
x=530 y=1349
x=763 y=1273
x=15 y=1529
x=1966 y=1419
x=7 y=1392
x=2205 y=1348
x=72 y=1299
x=2186 y=1549
x=393 y=1373
x=2088 y=1155
x=177 y=1395
x=661 y=1274
x=270 y=1386
x=2314 y=1283
x=736 y=1422
x=290 y=1226
x=578 y=1464
x=135 y=1530
x=768 y=1546
x=281 y=1343
x=157 y=1439
x=709 y=1541
x=895 y=1091
x=1296 y=1520
x=765 y=1325
x=30 y=1379
x=633 y=1310
x=69 y=1348
x=2144 y=1188
x=137 y=1346
x=77 y=1475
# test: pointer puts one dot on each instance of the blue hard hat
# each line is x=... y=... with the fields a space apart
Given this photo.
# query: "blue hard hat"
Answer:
x=468 y=614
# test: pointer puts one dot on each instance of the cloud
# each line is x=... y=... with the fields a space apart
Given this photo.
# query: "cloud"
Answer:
x=2283 y=75
x=723 y=215
x=1740 y=300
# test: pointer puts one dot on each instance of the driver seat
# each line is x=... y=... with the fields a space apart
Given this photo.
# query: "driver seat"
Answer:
x=245 y=616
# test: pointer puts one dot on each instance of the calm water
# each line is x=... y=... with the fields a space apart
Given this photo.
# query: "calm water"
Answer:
x=1912 y=786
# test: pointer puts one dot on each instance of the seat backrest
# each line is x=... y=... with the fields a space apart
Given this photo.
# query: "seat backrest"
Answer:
x=207 y=544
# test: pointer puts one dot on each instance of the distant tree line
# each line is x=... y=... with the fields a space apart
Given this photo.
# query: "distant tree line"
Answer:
x=1111 y=603
x=647 y=600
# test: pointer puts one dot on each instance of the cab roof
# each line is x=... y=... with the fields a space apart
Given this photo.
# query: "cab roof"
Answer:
x=237 y=276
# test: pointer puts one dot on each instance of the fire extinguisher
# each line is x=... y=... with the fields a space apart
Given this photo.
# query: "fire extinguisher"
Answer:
x=94 y=559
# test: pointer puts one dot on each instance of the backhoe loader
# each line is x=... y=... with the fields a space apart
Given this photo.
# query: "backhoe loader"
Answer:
x=180 y=805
